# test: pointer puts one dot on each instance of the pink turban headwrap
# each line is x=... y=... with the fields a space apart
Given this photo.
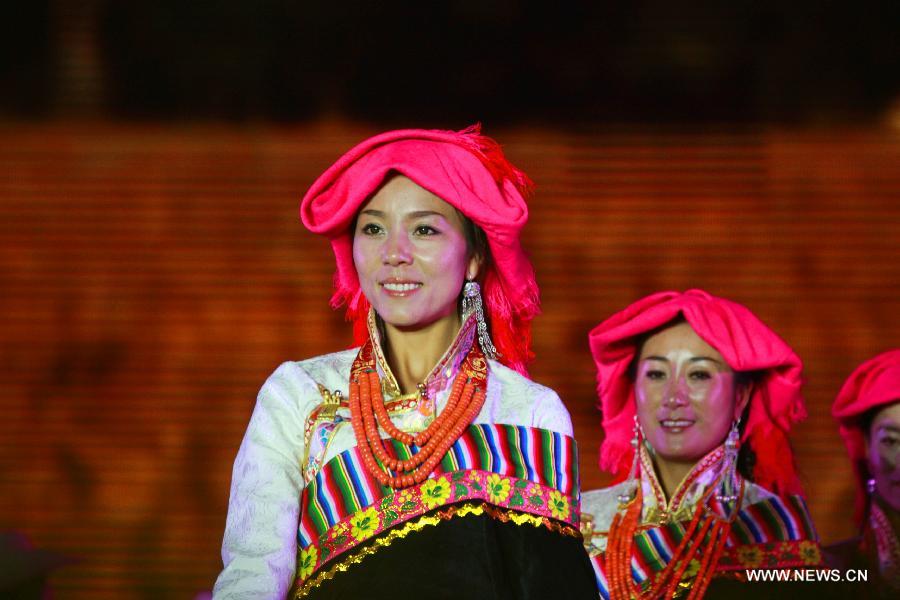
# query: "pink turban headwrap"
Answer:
x=874 y=383
x=468 y=171
x=746 y=344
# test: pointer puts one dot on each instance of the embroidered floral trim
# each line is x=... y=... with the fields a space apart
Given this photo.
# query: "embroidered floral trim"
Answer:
x=749 y=556
x=306 y=562
x=530 y=499
x=559 y=506
x=498 y=488
x=434 y=492
x=771 y=555
x=364 y=524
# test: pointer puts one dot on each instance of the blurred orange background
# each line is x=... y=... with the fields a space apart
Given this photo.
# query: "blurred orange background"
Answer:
x=153 y=273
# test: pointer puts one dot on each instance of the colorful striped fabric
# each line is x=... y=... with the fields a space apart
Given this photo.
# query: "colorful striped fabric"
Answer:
x=518 y=468
x=772 y=533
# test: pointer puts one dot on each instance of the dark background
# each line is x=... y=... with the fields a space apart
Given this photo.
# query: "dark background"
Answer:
x=153 y=272
x=502 y=62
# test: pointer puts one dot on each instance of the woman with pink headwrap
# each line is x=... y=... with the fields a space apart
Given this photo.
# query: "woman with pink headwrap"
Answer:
x=868 y=411
x=698 y=397
x=423 y=461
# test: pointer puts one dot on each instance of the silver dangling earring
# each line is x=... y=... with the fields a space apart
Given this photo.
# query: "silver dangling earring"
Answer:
x=471 y=300
x=729 y=481
x=870 y=485
x=636 y=439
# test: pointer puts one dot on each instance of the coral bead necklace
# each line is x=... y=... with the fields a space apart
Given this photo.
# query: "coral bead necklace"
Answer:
x=703 y=543
x=367 y=413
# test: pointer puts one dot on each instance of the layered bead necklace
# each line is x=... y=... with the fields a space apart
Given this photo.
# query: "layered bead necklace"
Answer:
x=704 y=541
x=367 y=413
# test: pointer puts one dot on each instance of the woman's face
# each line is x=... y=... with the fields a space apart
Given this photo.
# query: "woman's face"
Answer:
x=883 y=451
x=411 y=255
x=685 y=395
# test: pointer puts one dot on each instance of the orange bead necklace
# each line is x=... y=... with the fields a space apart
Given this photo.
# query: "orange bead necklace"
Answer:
x=367 y=413
x=704 y=540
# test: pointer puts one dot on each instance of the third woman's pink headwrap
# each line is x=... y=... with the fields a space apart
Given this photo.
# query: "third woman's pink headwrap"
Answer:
x=745 y=342
x=874 y=383
x=466 y=170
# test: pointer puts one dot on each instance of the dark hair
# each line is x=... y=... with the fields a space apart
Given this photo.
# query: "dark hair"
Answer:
x=746 y=460
x=476 y=239
x=864 y=421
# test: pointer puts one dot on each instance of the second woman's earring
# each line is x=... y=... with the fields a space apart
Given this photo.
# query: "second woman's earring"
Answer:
x=471 y=301
x=636 y=439
x=730 y=482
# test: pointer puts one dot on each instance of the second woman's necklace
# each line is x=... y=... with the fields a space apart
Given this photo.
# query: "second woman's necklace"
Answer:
x=702 y=543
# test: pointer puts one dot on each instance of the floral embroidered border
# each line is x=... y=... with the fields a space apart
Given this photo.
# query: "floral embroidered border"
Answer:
x=771 y=555
x=517 y=495
x=303 y=587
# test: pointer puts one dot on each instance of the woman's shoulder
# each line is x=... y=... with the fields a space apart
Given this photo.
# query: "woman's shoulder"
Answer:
x=598 y=508
x=794 y=503
x=335 y=365
x=301 y=377
x=515 y=384
x=526 y=398
x=603 y=501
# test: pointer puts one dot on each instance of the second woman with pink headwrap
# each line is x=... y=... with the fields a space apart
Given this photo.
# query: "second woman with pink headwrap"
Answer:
x=422 y=462
x=868 y=411
x=698 y=396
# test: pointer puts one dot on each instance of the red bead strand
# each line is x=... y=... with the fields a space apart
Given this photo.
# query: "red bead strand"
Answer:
x=367 y=412
x=621 y=542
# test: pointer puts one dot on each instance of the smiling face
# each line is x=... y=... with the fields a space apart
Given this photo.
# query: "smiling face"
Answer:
x=883 y=453
x=685 y=395
x=411 y=255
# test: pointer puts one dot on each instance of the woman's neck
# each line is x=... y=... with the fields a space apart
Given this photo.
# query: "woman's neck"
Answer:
x=412 y=354
x=670 y=474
